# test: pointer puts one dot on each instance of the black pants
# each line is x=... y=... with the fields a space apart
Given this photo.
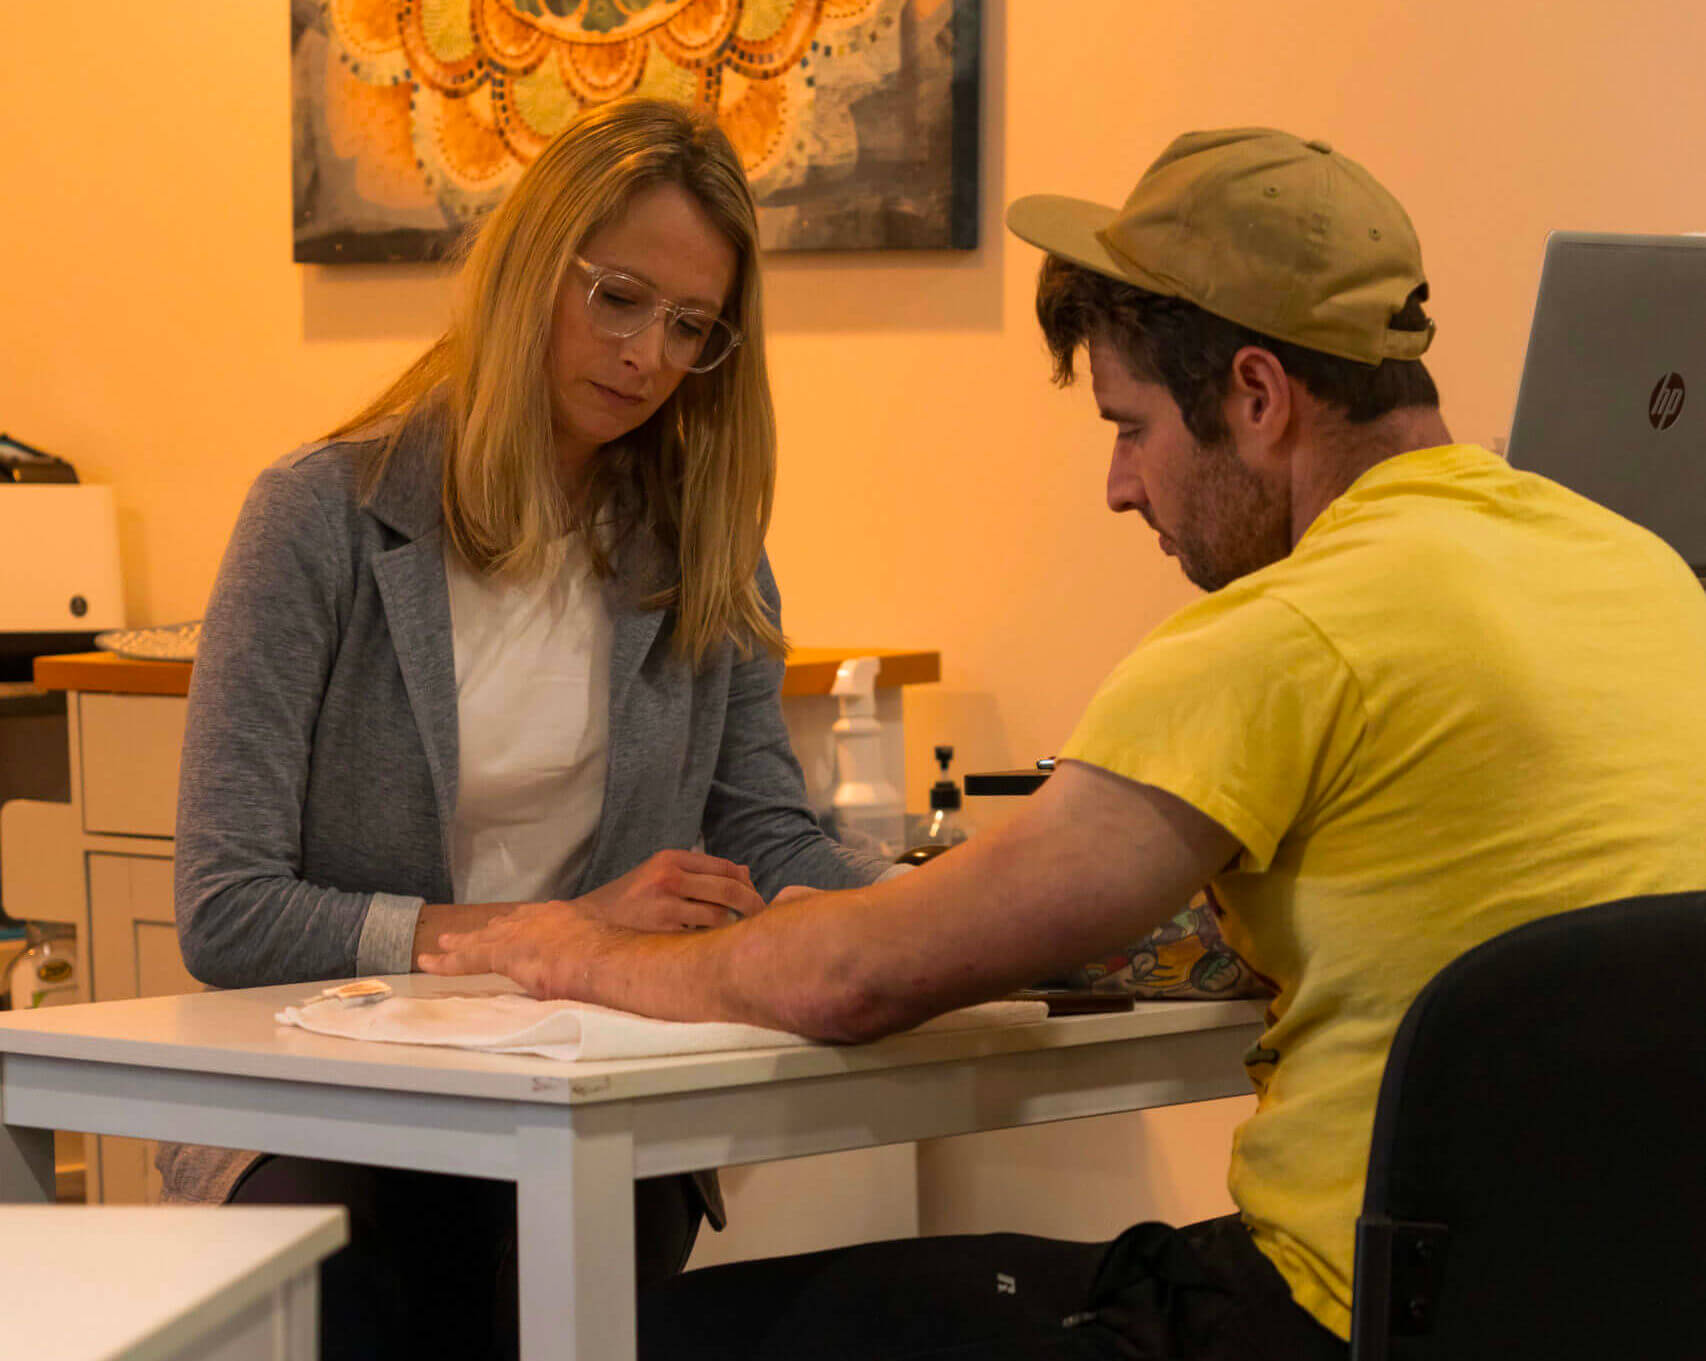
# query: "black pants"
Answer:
x=1200 y=1293
x=429 y=1270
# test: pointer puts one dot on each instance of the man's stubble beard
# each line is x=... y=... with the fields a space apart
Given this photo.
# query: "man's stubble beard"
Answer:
x=1234 y=524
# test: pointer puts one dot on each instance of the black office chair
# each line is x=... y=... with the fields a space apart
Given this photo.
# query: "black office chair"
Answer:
x=1537 y=1181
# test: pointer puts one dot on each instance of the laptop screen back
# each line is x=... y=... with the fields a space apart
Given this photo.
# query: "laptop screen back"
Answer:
x=1613 y=396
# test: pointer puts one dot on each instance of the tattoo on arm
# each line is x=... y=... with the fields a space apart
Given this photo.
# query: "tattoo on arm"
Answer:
x=1187 y=958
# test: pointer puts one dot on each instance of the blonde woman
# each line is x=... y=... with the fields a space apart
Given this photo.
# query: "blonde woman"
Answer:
x=507 y=636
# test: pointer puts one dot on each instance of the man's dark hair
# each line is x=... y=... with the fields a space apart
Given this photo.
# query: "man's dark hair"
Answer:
x=1189 y=351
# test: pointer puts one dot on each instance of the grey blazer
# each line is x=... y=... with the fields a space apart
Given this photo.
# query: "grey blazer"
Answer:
x=320 y=753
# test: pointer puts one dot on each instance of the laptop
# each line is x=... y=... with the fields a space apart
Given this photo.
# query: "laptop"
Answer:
x=1613 y=396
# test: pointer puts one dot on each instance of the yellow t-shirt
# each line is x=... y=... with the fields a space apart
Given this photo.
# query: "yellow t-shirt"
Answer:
x=1468 y=698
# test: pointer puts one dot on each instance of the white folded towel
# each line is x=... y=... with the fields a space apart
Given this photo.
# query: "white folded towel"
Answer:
x=512 y=1024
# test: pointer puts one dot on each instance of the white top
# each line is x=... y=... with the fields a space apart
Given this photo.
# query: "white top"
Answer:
x=99 y=1283
x=533 y=712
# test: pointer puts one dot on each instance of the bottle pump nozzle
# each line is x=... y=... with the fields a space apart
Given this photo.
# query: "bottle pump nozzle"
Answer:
x=856 y=686
x=945 y=793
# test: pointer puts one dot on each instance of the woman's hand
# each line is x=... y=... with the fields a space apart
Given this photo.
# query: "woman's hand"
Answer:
x=436 y=919
x=673 y=891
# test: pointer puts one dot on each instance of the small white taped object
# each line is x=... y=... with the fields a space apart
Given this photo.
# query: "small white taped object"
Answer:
x=362 y=992
x=508 y=1023
x=865 y=803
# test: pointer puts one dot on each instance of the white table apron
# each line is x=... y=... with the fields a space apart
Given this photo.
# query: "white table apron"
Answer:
x=212 y=1068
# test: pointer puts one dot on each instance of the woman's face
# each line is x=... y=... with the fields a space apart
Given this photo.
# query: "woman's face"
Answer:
x=604 y=386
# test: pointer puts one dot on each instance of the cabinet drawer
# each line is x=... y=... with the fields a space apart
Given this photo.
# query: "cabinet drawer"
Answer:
x=129 y=746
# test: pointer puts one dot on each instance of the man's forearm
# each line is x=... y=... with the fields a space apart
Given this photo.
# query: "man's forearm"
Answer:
x=1092 y=862
x=780 y=970
x=844 y=967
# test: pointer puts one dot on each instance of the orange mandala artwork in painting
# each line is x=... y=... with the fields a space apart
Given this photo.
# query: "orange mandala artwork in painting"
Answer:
x=855 y=119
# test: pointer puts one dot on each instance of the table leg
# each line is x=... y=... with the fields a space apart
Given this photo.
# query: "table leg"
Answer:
x=26 y=1161
x=574 y=1199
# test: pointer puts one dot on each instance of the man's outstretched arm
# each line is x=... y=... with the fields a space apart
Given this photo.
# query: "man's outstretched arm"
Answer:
x=1091 y=862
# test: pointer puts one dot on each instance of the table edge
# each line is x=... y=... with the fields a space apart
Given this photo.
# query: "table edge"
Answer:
x=312 y=1059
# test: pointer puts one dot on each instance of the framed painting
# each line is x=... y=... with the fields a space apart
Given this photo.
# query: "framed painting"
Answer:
x=856 y=120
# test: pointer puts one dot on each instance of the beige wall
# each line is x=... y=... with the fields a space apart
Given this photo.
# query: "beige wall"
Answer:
x=935 y=490
x=155 y=331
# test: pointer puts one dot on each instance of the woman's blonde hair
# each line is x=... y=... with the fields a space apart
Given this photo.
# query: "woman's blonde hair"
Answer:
x=700 y=474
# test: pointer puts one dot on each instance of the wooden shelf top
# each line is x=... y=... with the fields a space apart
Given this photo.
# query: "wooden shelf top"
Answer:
x=811 y=671
x=105 y=671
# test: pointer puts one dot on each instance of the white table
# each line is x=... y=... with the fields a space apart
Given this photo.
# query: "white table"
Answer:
x=214 y=1068
x=111 y=1283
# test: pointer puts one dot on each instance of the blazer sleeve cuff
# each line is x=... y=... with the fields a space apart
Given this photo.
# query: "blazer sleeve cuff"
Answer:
x=387 y=943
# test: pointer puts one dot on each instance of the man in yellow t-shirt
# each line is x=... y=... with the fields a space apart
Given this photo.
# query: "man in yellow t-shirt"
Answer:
x=1461 y=702
x=1426 y=698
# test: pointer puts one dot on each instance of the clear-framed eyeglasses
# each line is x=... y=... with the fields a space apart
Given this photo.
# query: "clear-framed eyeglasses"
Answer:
x=620 y=305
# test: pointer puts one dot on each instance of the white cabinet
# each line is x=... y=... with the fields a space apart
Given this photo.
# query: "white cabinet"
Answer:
x=102 y=862
x=132 y=930
x=133 y=952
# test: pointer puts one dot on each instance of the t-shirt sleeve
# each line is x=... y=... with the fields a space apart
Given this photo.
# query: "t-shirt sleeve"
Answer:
x=1242 y=709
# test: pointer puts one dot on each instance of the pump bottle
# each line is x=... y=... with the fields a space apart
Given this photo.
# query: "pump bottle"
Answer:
x=944 y=828
x=869 y=813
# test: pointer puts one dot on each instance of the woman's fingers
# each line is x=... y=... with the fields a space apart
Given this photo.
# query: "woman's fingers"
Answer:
x=460 y=955
x=693 y=916
x=677 y=888
x=702 y=862
x=733 y=895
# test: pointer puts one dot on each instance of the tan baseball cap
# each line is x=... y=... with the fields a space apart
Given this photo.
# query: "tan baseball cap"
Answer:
x=1287 y=237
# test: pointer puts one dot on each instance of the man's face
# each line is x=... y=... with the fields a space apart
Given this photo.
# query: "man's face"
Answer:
x=1214 y=513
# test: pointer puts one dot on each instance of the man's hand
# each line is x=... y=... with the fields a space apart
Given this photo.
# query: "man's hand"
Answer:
x=548 y=948
x=673 y=890
x=551 y=948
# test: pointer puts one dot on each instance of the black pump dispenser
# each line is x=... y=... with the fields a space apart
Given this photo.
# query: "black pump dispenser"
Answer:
x=945 y=793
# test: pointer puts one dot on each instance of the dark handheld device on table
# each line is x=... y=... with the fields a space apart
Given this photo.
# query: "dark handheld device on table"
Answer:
x=1068 y=1001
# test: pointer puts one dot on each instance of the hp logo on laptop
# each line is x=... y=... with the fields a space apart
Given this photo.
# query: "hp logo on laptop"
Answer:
x=1666 y=403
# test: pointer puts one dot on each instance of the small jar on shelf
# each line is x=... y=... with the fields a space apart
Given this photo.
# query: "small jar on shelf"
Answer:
x=45 y=973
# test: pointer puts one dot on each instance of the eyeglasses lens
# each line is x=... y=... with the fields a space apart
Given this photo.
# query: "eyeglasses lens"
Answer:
x=693 y=340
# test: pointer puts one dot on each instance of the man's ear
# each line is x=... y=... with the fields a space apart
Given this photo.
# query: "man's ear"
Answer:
x=1258 y=396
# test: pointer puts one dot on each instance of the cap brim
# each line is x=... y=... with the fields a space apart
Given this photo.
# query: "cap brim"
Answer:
x=1067 y=227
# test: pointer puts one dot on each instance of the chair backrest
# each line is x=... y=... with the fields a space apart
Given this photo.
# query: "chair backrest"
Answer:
x=1537 y=1179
